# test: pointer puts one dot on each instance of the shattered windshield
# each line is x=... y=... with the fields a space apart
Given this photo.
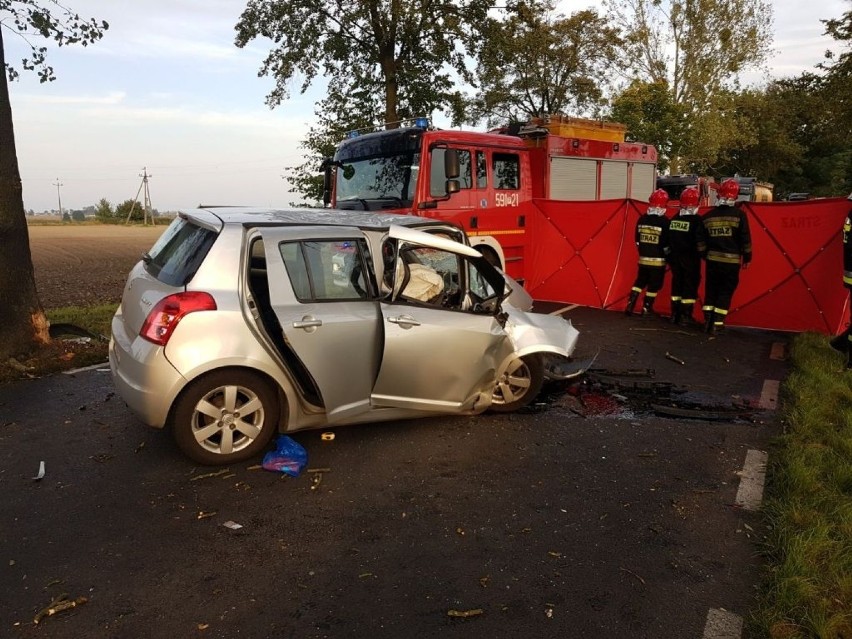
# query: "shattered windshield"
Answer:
x=392 y=177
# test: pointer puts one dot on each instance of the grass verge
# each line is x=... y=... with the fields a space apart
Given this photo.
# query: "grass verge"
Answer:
x=807 y=590
x=69 y=348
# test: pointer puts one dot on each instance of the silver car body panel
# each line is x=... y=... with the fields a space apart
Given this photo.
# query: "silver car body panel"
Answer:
x=378 y=360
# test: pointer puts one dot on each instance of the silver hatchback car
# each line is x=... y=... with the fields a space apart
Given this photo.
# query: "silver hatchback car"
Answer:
x=242 y=323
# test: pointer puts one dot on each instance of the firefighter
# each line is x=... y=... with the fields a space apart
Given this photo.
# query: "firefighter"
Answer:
x=728 y=249
x=652 y=239
x=843 y=342
x=687 y=242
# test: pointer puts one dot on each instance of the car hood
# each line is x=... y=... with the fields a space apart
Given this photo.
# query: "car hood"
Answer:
x=535 y=332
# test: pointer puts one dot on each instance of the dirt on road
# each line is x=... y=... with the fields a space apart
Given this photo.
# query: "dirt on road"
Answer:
x=81 y=265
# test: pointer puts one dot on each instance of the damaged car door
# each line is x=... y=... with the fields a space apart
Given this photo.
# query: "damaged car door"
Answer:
x=323 y=292
x=443 y=343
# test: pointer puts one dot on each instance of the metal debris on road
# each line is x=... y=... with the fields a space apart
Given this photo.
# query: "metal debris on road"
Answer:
x=232 y=525
x=630 y=572
x=327 y=437
x=40 y=475
x=62 y=602
x=475 y=612
x=675 y=359
x=205 y=515
x=139 y=447
x=208 y=475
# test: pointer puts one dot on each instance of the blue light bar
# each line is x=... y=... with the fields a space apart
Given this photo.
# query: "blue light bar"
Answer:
x=352 y=134
x=421 y=123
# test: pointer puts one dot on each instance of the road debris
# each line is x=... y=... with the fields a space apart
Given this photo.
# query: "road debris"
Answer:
x=630 y=572
x=327 y=437
x=139 y=447
x=677 y=360
x=61 y=603
x=205 y=515
x=464 y=614
x=316 y=480
x=289 y=457
x=232 y=525
x=40 y=475
x=208 y=475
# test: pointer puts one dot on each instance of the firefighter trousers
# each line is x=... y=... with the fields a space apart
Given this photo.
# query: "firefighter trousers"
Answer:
x=721 y=282
x=650 y=277
x=686 y=276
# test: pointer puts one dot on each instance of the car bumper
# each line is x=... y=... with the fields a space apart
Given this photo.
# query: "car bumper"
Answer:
x=142 y=375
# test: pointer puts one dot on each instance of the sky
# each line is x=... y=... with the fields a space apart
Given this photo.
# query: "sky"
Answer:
x=167 y=92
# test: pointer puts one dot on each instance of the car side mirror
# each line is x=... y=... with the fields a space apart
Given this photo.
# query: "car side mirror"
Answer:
x=452 y=167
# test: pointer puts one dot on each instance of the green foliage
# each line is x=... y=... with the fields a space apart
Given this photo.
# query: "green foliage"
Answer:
x=383 y=60
x=104 y=211
x=130 y=208
x=50 y=21
x=696 y=48
x=78 y=216
x=534 y=62
x=807 y=586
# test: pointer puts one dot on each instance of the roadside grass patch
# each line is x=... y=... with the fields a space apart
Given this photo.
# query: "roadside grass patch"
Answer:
x=807 y=586
x=69 y=348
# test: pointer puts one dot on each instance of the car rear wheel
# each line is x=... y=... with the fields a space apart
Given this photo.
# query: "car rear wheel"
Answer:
x=519 y=385
x=226 y=417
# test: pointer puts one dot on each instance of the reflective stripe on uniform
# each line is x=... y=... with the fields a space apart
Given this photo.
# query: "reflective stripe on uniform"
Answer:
x=721 y=311
x=650 y=294
x=847 y=278
x=652 y=261
x=686 y=301
x=726 y=258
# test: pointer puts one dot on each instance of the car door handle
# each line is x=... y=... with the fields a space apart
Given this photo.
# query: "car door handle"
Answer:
x=405 y=321
x=308 y=322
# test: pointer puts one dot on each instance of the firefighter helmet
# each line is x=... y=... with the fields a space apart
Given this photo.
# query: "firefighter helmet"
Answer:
x=659 y=199
x=729 y=189
x=689 y=197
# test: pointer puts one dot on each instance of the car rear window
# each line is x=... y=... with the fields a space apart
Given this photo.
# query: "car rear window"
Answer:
x=179 y=252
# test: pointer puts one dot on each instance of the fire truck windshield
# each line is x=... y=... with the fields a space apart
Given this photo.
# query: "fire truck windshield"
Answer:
x=378 y=170
x=377 y=179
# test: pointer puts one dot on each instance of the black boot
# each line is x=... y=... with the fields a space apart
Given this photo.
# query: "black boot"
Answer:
x=631 y=302
x=686 y=318
x=709 y=326
x=677 y=309
x=648 y=306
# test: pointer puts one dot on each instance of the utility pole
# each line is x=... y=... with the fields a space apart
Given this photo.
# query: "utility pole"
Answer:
x=57 y=184
x=147 y=211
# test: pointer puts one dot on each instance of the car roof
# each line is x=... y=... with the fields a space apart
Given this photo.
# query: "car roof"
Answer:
x=251 y=216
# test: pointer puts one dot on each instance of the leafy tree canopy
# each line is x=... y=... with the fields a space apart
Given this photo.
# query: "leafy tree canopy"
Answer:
x=536 y=62
x=47 y=20
x=697 y=48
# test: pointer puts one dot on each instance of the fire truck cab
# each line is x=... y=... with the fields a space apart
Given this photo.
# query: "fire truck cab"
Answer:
x=486 y=182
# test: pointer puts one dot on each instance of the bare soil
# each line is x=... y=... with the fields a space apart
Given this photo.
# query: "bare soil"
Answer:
x=83 y=265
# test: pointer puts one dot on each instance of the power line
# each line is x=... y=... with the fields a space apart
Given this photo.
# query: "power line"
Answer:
x=57 y=184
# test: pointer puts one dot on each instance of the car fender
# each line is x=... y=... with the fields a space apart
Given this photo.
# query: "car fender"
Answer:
x=538 y=333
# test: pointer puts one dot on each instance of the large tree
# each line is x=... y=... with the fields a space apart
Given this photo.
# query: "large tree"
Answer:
x=21 y=315
x=383 y=61
x=697 y=49
x=535 y=61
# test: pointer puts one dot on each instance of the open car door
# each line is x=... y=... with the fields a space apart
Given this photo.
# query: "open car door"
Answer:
x=443 y=328
x=323 y=293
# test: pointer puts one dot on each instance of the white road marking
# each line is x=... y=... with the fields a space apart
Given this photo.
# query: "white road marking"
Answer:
x=769 y=395
x=103 y=365
x=722 y=624
x=752 y=477
x=565 y=309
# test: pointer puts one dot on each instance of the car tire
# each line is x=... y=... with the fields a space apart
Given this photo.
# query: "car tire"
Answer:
x=519 y=385
x=207 y=421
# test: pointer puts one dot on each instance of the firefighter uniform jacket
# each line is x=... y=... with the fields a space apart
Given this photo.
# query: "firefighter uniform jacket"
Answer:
x=847 y=251
x=652 y=238
x=728 y=236
x=686 y=236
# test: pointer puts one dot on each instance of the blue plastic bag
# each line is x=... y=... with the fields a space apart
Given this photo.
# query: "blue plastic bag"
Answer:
x=289 y=457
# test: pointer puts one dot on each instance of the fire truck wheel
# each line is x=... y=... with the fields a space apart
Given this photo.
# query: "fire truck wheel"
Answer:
x=519 y=385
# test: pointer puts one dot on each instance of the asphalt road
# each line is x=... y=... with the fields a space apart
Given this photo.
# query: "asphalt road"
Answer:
x=553 y=523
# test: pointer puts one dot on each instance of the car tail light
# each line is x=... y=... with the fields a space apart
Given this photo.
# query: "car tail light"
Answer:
x=164 y=317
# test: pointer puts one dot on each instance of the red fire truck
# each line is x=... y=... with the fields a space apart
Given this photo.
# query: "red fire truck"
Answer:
x=486 y=182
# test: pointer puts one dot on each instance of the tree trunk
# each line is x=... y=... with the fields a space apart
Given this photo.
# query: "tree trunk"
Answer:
x=391 y=90
x=23 y=325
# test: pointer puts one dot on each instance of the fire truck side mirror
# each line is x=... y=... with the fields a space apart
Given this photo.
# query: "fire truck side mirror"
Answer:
x=452 y=168
x=327 y=166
